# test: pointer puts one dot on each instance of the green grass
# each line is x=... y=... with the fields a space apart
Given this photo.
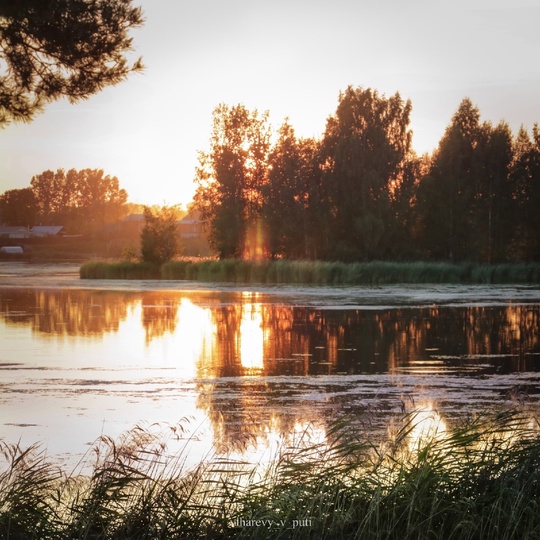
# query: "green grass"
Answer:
x=317 y=272
x=479 y=480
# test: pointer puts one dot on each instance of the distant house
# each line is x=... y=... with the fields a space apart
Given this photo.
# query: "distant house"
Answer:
x=139 y=218
x=191 y=226
x=15 y=231
x=132 y=225
x=40 y=231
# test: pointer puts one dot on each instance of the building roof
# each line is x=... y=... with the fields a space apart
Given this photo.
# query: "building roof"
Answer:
x=191 y=218
x=46 y=230
x=134 y=217
x=9 y=230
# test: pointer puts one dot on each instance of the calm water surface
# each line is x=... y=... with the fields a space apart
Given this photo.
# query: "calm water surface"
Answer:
x=245 y=368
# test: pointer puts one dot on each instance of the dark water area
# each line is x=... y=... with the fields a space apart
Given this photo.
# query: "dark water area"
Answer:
x=80 y=359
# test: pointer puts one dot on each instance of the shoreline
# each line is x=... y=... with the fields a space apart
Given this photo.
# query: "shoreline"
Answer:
x=321 y=273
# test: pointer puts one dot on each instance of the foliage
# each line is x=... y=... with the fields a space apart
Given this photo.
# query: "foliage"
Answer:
x=62 y=48
x=284 y=195
x=18 y=207
x=81 y=200
x=357 y=194
x=478 y=479
x=361 y=194
x=525 y=183
x=159 y=236
x=230 y=177
x=364 y=148
x=465 y=200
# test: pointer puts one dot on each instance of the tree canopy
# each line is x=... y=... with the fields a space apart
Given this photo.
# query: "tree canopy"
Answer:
x=62 y=48
x=361 y=193
x=81 y=201
x=230 y=177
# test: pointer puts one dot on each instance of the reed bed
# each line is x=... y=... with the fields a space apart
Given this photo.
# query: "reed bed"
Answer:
x=316 y=272
x=119 y=270
x=480 y=479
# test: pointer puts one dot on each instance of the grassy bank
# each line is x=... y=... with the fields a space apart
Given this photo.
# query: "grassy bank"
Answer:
x=316 y=272
x=479 y=480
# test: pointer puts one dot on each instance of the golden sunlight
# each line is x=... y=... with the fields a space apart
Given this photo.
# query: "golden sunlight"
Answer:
x=256 y=242
x=194 y=334
x=428 y=425
x=252 y=337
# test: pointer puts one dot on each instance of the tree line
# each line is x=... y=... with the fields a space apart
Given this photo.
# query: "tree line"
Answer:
x=361 y=193
x=80 y=200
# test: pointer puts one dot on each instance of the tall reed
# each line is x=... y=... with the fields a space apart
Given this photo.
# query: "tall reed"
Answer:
x=480 y=479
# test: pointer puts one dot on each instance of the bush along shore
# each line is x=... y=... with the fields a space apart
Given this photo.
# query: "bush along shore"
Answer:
x=477 y=480
x=315 y=272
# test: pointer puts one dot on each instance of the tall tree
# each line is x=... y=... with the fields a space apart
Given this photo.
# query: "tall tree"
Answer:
x=230 y=177
x=525 y=179
x=99 y=196
x=401 y=237
x=490 y=219
x=446 y=194
x=49 y=188
x=18 y=207
x=364 y=148
x=284 y=195
x=62 y=48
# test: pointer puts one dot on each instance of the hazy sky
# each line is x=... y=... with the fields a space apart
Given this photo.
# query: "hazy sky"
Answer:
x=291 y=57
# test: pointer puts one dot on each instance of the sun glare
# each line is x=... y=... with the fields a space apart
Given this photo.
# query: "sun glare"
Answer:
x=428 y=425
x=195 y=333
x=252 y=337
x=256 y=243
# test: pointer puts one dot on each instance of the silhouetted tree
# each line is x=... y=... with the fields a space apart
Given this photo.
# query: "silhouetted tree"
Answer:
x=62 y=48
x=83 y=199
x=401 y=242
x=18 y=207
x=230 y=177
x=361 y=193
x=525 y=180
x=446 y=194
x=284 y=195
x=490 y=218
x=363 y=151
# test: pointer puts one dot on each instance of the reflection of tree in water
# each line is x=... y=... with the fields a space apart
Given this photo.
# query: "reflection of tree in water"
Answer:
x=247 y=412
x=66 y=312
x=306 y=341
x=159 y=314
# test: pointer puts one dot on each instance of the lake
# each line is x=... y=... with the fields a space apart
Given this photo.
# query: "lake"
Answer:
x=243 y=369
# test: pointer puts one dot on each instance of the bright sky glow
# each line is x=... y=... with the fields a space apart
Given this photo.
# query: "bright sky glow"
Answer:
x=291 y=57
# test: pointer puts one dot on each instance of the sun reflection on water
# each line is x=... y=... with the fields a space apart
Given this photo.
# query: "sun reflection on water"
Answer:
x=273 y=443
x=427 y=425
x=252 y=338
x=194 y=336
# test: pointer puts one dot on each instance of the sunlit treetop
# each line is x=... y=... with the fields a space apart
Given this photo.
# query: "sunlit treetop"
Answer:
x=51 y=49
